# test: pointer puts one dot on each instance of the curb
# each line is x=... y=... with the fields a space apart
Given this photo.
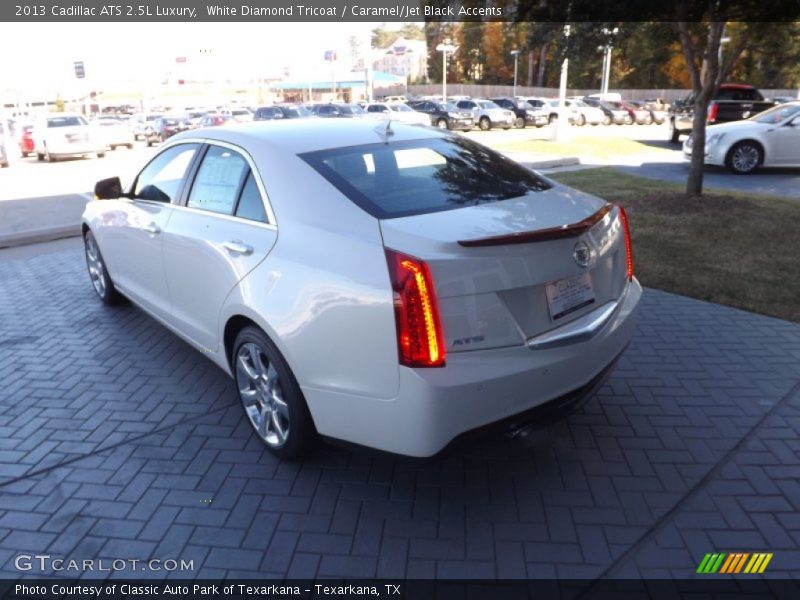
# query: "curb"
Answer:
x=37 y=236
x=566 y=161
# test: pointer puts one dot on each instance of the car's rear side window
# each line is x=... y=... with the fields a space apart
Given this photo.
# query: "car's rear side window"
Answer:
x=398 y=179
x=218 y=181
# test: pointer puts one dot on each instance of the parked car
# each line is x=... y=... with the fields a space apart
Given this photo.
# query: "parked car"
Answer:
x=613 y=112
x=143 y=124
x=4 y=141
x=62 y=135
x=195 y=117
x=114 y=132
x=582 y=113
x=638 y=115
x=769 y=139
x=338 y=110
x=657 y=115
x=240 y=115
x=393 y=290
x=165 y=127
x=281 y=111
x=524 y=112
x=545 y=105
x=214 y=120
x=445 y=115
x=732 y=102
x=25 y=133
x=398 y=112
x=487 y=114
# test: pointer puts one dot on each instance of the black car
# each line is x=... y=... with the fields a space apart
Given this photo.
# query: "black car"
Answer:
x=164 y=128
x=525 y=112
x=338 y=110
x=281 y=111
x=445 y=115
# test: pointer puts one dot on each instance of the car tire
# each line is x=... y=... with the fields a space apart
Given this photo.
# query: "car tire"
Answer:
x=552 y=119
x=442 y=124
x=98 y=273
x=581 y=121
x=101 y=155
x=49 y=157
x=606 y=120
x=674 y=134
x=39 y=156
x=519 y=123
x=270 y=395
x=25 y=154
x=129 y=146
x=744 y=157
x=149 y=143
x=485 y=124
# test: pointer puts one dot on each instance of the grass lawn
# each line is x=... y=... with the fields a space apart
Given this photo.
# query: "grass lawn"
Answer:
x=728 y=247
x=585 y=147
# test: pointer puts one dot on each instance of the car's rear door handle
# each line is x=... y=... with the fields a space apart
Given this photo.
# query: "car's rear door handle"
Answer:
x=152 y=228
x=237 y=247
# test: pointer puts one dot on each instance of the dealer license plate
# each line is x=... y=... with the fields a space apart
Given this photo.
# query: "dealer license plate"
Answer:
x=565 y=296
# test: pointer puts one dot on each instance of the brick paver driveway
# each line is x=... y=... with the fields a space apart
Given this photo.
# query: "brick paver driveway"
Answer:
x=119 y=441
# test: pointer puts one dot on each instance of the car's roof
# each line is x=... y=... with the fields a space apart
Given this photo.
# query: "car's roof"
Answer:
x=308 y=135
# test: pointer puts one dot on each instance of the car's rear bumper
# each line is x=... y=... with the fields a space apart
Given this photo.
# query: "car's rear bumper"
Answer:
x=474 y=389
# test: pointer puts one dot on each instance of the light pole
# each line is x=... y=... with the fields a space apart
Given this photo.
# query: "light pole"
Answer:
x=444 y=48
x=515 y=54
x=610 y=34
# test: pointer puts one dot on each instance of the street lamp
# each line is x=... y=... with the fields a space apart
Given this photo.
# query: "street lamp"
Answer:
x=444 y=48
x=515 y=54
x=610 y=35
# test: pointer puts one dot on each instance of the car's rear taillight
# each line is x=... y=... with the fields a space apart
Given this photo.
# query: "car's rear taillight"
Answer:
x=420 y=342
x=623 y=216
x=713 y=111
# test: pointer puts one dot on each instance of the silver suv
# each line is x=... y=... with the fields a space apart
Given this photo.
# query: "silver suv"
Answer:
x=487 y=114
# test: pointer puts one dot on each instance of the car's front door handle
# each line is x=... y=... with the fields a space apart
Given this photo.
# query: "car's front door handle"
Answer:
x=237 y=247
x=152 y=228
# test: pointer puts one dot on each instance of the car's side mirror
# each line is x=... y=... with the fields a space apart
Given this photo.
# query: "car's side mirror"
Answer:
x=108 y=189
x=795 y=122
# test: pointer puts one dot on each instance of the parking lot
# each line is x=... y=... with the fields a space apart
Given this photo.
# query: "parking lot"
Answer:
x=119 y=441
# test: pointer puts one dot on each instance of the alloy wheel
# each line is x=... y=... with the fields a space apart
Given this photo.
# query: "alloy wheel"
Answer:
x=94 y=262
x=261 y=393
x=745 y=158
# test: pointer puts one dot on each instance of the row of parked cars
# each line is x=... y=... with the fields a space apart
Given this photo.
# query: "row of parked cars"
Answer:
x=66 y=134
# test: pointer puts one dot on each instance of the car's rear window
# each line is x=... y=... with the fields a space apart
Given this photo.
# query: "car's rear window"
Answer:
x=66 y=122
x=399 y=179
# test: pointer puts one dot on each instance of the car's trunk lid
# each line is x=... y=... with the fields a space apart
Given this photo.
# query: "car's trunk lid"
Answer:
x=492 y=263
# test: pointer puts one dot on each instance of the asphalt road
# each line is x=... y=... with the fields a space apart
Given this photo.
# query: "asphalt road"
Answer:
x=773 y=182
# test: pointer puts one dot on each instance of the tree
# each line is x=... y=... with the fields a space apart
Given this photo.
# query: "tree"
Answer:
x=701 y=42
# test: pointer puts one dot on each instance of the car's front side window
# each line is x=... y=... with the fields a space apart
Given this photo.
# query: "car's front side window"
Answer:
x=219 y=180
x=160 y=180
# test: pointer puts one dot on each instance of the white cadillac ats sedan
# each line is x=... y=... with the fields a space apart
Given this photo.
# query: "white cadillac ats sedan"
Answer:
x=769 y=139
x=387 y=285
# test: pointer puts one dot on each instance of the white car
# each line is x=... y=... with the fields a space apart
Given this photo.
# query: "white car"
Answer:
x=3 y=146
x=62 y=135
x=393 y=287
x=397 y=111
x=114 y=132
x=769 y=139
x=582 y=113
